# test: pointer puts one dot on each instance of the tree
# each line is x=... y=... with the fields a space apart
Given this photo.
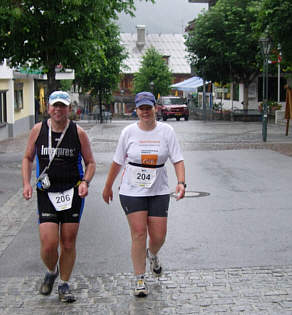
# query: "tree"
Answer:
x=154 y=74
x=100 y=75
x=44 y=33
x=275 y=17
x=223 y=46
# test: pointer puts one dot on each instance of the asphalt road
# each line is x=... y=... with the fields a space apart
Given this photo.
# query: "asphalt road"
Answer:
x=244 y=221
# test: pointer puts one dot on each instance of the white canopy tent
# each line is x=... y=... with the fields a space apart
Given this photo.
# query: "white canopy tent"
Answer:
x=189 y=85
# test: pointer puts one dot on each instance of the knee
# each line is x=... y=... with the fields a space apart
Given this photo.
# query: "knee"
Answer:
x=49 y=247
x=68 y=244
x=139 y=234
x=158 y=237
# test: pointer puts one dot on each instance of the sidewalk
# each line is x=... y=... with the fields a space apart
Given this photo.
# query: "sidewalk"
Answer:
x=239 y=290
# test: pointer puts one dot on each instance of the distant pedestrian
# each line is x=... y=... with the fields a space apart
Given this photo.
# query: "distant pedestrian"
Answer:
x=62 y=184
x=36 y=110
x=78 y=112
x=143 y=149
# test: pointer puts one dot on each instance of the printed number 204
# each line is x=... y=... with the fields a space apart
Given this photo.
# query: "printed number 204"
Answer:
x=143 y=176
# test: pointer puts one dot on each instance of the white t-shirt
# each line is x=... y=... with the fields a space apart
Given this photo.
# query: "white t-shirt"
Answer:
x=152 y=147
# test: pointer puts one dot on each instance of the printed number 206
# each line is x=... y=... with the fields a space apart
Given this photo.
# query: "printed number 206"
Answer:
x=62 y=198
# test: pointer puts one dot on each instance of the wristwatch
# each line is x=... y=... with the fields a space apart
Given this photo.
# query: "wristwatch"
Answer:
x=183 y=183
x=86 y=181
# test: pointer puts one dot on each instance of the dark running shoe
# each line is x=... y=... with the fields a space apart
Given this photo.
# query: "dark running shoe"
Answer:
x=48 y=283
x=65 y=294
x=141 y=289
x=155 y=265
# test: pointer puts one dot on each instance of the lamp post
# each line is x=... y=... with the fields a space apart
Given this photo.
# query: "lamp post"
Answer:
x=265 y=48
x=122 y=104
x=204 y=92
x=152 y=87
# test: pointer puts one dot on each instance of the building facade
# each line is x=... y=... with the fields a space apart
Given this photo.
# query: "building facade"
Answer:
x=170 y=46
x=21 y=98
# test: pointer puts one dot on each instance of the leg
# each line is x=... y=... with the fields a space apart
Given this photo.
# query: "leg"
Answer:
x=138 y=226
x=157 y=228
x=157 y=222
x=68 y=233
x=49 y=238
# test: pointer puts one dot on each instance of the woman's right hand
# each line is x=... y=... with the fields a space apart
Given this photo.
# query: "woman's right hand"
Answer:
x=27 y=191
x=107 y=195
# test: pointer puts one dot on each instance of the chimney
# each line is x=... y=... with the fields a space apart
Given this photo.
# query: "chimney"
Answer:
x=140 y=36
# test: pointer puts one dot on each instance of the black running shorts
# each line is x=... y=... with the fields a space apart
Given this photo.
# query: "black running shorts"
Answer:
x=47 y=212
x=157 y=206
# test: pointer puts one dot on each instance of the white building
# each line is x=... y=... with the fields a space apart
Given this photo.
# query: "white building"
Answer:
x=17 y=99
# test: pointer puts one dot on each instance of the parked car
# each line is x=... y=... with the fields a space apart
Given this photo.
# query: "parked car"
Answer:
x=172 y=107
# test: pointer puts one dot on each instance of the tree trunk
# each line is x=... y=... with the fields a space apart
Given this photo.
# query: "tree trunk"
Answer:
x=51 y=81
x=100 y=107
x=245 y=97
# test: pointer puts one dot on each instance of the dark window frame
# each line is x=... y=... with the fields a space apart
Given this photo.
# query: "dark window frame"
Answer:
x=18 y=96
x=3 y=108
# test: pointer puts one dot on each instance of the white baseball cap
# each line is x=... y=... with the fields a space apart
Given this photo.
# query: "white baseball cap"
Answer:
x=59 y=96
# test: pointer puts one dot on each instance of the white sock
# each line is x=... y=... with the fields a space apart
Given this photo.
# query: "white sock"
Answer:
x=150 y=254
x=52 y=272
x=141 y=276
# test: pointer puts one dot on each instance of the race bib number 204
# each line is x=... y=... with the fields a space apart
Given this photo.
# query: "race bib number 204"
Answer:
x=141 y=176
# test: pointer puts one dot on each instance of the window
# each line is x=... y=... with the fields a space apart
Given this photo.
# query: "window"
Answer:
x=18 y=96
x=3 y=108
x=222 y=92
x=272 y=89
x=166 y=59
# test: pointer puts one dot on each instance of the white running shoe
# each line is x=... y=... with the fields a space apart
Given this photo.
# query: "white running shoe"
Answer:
x=155 y=265
x=141 y=289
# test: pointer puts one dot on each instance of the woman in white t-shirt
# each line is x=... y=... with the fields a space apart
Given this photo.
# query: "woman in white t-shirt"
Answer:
x=143 y=149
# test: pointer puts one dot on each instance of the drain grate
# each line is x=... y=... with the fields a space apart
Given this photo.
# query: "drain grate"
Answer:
x=192 y=194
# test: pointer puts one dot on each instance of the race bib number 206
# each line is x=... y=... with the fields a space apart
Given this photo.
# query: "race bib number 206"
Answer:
x=62 y=200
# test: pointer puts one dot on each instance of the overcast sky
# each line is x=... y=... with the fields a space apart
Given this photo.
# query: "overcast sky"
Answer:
x=165 y=16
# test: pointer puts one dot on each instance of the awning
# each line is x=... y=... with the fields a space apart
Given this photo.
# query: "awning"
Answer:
x=188 y=85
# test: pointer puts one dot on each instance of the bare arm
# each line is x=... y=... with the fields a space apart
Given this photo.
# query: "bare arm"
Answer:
x=27 y=161
x=89 y=161
x=180 y=174
x=112 y=174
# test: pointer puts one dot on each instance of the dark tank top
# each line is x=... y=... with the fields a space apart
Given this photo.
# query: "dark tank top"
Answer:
x=66 y=169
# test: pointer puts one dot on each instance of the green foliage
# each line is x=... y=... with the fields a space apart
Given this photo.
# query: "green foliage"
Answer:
x=223 y=46
x=153 y=70
x=46 y=33
x=276 y=18
x=65 y=85
x=100 y=74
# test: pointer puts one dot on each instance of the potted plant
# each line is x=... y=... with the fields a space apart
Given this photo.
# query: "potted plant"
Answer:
x=273 y=106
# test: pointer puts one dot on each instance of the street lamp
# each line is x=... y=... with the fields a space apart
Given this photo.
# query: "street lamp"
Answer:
x=265 y=48
x=152 y=87
x=122 y=105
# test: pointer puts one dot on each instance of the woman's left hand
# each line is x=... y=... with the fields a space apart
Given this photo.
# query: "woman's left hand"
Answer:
x=83 y=189
x=179 y=191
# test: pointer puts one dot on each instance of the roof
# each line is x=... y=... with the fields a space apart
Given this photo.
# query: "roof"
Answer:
x=171 y=45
